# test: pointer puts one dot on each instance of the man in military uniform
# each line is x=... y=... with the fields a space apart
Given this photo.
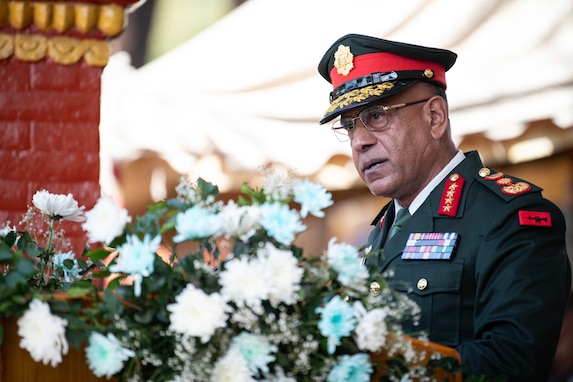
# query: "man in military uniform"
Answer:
x=482 y=252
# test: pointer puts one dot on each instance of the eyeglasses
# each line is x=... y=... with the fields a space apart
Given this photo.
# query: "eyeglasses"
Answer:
x=374 y=118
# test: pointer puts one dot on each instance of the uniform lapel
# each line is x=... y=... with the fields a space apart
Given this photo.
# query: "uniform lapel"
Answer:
x=424 y=219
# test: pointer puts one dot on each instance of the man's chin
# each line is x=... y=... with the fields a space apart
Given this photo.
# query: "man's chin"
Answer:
x=380 y=187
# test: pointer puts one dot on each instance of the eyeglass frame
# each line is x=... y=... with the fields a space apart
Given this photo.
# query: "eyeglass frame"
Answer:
x=341 y=131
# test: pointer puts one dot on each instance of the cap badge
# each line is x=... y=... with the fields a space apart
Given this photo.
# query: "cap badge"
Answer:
x=343 y=60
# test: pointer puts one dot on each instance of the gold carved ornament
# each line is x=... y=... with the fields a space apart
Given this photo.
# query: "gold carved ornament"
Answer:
x=108 y=18
x=63 y=50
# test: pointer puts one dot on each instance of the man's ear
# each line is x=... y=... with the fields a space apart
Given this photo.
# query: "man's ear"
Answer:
x=437 y=108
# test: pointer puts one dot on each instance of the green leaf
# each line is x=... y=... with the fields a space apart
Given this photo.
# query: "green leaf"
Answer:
x=97 y=254
x=24 y=266
x=207 y=189
x=13 y=279
x=81 y=288
x=5 y=253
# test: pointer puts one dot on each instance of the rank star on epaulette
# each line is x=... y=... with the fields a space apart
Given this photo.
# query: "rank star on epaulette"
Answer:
x=451 y=195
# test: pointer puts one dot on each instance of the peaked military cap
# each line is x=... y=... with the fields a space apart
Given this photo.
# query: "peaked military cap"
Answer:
x=363 y=69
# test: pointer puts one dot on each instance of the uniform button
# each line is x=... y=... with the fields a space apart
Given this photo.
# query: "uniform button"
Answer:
x=375 y=288
x=484 y=171
x=422 y=284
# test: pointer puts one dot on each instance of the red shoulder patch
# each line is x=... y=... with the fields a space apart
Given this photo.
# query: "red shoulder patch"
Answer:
x=535 y=218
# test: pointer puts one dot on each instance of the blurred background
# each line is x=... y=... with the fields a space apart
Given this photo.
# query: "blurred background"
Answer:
x=219 y=88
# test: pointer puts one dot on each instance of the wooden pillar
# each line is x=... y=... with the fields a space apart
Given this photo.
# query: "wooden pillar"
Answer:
x=51 y=59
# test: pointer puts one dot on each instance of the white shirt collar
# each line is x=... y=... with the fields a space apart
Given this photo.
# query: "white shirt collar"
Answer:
x=423 y=195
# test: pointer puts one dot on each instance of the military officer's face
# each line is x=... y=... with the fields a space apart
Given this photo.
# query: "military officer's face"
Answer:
x=399 y=160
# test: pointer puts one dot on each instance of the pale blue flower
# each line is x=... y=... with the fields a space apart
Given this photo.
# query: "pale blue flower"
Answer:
x=345 y=260
x=281 y=222
x=312 y=198
x=197 y=222
x=355 y=368
x=136 y=258
x=105 y=355
x=59 y=262
x=337 y=320
x=256 y=350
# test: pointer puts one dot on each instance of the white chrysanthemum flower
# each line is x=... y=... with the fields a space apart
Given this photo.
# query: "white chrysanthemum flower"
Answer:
x=372 y=330
x=244 y=282
x=136 y=258
x=58 y=206
x=42 y=334
x=4 y=231
x=62 y=268
x=345 y=260
x=284 y=274
x=312 y=197
x=105 y=355
x=197 y=314
x=239 y=221
x=231 y=368
x=105 y=221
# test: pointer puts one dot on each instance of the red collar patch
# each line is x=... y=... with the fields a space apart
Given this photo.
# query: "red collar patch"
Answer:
x=382 y=219
x=535 y=218
x=451 y=195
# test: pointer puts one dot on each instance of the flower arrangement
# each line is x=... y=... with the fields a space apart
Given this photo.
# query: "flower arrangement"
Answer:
x=263 y=310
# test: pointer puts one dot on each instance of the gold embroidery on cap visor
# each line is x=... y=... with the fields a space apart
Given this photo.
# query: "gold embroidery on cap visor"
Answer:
x=343 y=60
x=359 y=95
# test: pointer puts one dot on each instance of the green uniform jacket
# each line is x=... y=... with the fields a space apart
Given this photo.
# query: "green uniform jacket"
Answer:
x=500 y=299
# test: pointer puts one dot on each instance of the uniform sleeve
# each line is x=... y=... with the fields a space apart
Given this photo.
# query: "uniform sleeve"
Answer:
x=523 y=279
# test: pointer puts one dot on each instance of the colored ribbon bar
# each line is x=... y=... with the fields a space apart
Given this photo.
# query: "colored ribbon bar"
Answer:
x=430 y=246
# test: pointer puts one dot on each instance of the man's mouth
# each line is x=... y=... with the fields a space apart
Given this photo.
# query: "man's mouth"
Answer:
x=373 y=165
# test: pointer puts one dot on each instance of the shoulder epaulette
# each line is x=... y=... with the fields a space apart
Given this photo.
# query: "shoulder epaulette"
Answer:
x=505 y=186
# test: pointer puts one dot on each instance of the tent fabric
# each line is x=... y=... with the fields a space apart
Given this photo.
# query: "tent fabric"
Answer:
x=247 y=88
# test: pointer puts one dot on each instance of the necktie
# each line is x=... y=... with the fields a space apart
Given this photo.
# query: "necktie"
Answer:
x=401 y=218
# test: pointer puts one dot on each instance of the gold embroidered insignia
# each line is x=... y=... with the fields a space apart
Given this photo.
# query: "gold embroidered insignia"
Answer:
x=359 y=95
x=495 y=176
x=516 y=189
x=343 y=60
x=504 y=181
x=451 y=195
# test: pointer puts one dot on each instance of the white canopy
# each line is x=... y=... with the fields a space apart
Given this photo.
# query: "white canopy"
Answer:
x=247 y=90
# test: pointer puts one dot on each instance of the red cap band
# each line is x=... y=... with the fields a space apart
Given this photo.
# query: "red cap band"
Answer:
x=383 y=62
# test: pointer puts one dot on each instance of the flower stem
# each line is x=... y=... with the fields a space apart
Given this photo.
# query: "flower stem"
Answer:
x=45 y=257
